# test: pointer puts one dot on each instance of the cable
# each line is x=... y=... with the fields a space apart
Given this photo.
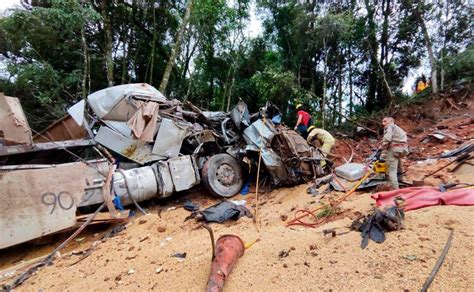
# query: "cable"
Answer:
x=297 y=220
x=130 y=193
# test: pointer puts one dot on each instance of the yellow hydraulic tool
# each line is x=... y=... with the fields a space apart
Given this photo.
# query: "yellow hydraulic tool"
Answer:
x=378 y=164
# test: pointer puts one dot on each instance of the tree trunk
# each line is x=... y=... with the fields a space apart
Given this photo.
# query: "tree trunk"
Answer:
x=384 y=34
x=443 y=52
x=429 y=47
x=384 y=78
x=351 y=102
x=226 y=87
x=334 y=106
x=126 y=54
x=323 y=103
x=85 y=55
x=153 y=45
x=229 y=94
x=175 y=50
x=372 y=43
x=339 y=120
x=109 y=62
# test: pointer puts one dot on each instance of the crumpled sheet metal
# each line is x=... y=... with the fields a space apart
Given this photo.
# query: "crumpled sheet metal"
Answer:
x=259 y=134
x=136 y=150
x=111 y=103
x=467 y=147
x=170 y=137
x=274 y=164
x=421 y=197
x=214 y=116
x=240 y=115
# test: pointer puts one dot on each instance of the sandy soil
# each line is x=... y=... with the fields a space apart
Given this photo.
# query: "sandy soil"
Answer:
x=129 y=261
x=139 y=258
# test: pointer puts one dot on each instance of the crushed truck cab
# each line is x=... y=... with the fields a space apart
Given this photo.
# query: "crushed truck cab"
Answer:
x=159 y=147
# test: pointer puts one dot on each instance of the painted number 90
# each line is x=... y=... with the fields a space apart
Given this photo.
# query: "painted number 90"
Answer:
x=63 y=199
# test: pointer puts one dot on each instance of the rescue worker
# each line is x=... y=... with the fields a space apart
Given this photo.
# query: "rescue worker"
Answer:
x=421 y=84
x=303 y=121
x=394 y=142
x=325 y=139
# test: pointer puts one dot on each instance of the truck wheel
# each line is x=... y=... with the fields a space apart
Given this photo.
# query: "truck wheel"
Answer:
x=222 y=175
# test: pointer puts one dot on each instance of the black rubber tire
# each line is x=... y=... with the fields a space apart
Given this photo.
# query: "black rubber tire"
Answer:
x=210 y=177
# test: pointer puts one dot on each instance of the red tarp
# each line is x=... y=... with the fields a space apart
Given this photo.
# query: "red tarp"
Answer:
x=420 y=197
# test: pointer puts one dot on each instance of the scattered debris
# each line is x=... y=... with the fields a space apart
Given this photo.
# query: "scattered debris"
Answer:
x=222 y=212
x=333 y=233
x=410 y=257
x=459 y=159
x=440 y=135
x=144 y=238
x=181 y=255
x=284 y=253
x=373 y=225
x=190 y=206
x=465 y=148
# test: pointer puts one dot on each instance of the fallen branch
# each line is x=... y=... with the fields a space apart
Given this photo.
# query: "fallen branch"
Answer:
x=438 y=264
x=452 y=104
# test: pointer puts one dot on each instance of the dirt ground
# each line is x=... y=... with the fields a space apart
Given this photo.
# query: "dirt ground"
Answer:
x=139 y=258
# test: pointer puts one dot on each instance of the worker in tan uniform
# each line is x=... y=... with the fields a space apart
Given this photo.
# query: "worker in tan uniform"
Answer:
x=325 y=139
x=394 y=142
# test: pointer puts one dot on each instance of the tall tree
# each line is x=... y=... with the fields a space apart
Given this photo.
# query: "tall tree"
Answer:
x=176 y=46
x=429 y=47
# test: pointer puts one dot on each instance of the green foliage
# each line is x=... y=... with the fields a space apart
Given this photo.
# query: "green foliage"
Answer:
x=276 y=85
x=460 y=66
x=45 y=59
x=56 y=52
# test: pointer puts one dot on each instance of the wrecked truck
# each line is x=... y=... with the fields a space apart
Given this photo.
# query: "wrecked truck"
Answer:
x=179 y=145
x=156 y=146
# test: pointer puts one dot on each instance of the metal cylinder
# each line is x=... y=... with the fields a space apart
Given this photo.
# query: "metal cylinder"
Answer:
x=141 y=182
x=229 y=248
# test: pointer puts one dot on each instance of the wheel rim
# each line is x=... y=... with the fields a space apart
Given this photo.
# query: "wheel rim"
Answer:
x=225 y=175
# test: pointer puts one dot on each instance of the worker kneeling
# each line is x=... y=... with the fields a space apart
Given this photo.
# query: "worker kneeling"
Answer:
x=325 y=139
x=394 y=143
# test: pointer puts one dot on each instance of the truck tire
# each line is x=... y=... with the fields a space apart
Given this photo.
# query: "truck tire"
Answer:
x=222 y=175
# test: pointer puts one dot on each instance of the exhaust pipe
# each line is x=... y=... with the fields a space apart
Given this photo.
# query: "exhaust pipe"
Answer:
x=229 y=248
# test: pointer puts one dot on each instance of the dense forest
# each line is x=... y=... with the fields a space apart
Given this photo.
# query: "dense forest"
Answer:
x=340 y=58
